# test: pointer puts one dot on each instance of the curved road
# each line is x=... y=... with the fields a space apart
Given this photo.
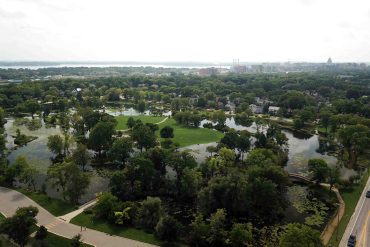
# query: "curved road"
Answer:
x=359 y=223
x=10 y=200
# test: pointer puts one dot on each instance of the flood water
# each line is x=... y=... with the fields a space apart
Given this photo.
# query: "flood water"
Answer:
x=38 y=155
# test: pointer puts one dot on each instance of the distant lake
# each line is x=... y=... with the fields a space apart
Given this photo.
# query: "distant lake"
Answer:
x=106 y=65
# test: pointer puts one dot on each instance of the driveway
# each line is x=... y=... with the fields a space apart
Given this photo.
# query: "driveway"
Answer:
x=10 y=200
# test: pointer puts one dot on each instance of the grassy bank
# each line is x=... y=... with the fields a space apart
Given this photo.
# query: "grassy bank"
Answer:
x=89 y=221
x=350 y=197
x=57 y=241
x=55 y=206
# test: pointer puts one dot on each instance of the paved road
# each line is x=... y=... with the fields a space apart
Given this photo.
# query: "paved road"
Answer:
x=359 y=223
x=10 y=200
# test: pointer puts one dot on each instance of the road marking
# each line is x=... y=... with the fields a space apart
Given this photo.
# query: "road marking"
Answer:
x=359 y=212
x=364 y=232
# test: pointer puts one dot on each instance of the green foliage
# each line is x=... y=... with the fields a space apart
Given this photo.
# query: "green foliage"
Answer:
x=167 y=132
x=150 y=213
x=241 y=235
x=41 y=233
x=168 y=229
x=121 y=149
x=18 y=227
x=106 y=206
x=320 y=169
x=300 y=235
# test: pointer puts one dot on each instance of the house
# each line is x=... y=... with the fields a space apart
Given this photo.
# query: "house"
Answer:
x=273 y=110
x=256 y=109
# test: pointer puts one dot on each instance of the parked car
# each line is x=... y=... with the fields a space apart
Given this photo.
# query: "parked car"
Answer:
x=351 y=241
x=368 y=194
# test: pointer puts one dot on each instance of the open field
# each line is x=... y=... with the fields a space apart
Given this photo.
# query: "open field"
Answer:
x=188 y=136
x=183 y=135
x=89 y=221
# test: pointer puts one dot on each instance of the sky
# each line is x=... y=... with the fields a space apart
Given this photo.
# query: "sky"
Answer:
x=185 y=30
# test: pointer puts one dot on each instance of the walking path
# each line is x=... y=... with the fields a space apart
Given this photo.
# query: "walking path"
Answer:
x=332 y=225
x=71 y=215
x=10 y=200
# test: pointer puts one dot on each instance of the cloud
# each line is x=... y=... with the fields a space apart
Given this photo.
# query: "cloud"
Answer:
x=11 y=14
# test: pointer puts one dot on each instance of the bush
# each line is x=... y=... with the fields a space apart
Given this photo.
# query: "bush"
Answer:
x=41 y=233
x=168 y=229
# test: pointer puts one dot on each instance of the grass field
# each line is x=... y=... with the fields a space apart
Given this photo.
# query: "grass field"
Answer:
x=350 y=198
x=57 y=241
x=183 y=135
x=56 y=207
x=122 y=120
x=101 y=225
x=189 y=136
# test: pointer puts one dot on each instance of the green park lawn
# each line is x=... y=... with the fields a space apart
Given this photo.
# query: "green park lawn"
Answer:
x=89 y=221
x=183 y=135
x=55 y=206
x=188 y=136
x=122 y=120
x=350 y=197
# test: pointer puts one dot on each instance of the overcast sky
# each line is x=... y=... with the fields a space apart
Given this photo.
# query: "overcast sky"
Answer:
x=185 y=30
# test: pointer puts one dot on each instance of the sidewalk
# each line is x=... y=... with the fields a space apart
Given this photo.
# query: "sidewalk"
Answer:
x=10 y=200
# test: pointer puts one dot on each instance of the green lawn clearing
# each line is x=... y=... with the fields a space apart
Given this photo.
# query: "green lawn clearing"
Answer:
x=188 y=136
x=89 y=221
x=56 y=207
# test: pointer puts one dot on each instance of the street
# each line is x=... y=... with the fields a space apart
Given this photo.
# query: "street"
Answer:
x=359 y=224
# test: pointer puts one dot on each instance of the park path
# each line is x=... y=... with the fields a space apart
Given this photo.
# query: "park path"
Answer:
x=68 y=217
x=10 y=200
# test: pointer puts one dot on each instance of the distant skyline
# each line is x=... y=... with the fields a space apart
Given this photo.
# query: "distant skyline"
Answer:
x=185 y=31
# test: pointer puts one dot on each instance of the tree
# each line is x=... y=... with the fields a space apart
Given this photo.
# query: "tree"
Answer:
x=150 y=212
x=168 y=229
x=325 y=118
x=77 y=184
x=300 y=235
x=219 y=117
x=190 y=184
x=178 y=161
x=355 y=139
x=241 y=235
x=41 y=233
x=81 y=156
x=243 y=143
x=131 y=122
x=211 y=149
x=217 y=232
x=55 y=144
x=100 y=137
x=19 y=226
x=25 y=172
x=121 y=149
x=167 y=132
x=230 y=139
x=199 y=232
x=70 y=179
x=144 y=137
x=32 y=106
x=76 y=241
x=334 y=176
x=320 y=169
x=141 y=106
x=106 y=206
